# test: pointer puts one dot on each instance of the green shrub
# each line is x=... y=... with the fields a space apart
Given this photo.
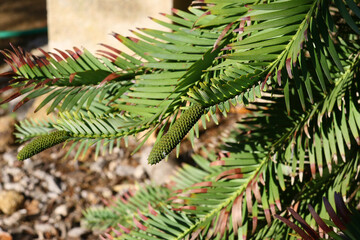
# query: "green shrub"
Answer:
x=299 y=144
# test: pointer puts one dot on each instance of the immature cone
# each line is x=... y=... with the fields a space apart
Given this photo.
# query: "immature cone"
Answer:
x=42 y=143
x=176 y=133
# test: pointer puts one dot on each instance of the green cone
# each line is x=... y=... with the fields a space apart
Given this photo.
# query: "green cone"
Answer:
x=42 y=143
x=176 y=133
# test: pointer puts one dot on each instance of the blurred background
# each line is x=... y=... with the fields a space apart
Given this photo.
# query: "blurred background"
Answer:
x=67 y=23
x=43 y=197
x=23 y=22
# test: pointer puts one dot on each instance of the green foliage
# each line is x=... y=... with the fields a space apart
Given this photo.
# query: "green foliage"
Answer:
x=345 y=221
x=122 y=212
x=301 y=142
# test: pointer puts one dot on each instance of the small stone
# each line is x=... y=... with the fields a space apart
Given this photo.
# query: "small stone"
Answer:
x=122 y=188
x=5 y=236
x=118 y=188
x=10 y=201
x=44 y=218
x=61 y=210
x=89 y=196
x=6 y=132
x=118 y=151
x=139 y=172
x=28 y=164
x=45 y=229
x=124 y=170
x=61 y=226
x=16 y=173
x=56 y=155
x=52 y=185
x=5 y=178
x=110 y=175
x=17 y=187
x=77 y=189
x=98 y=165
x=33 y=207
x=39 y=194
x=106 y=193
x=39 y=174
x=15 y=218
x=28 y=183
x=113 y=165
x=53 y=220
x=23 y=230
x=52 y=195
x=10 y=158
x=77 y=232
x=84 y=194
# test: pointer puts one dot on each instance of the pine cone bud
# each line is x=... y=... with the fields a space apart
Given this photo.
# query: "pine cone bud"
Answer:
x=42 y=143
x=176 y=133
